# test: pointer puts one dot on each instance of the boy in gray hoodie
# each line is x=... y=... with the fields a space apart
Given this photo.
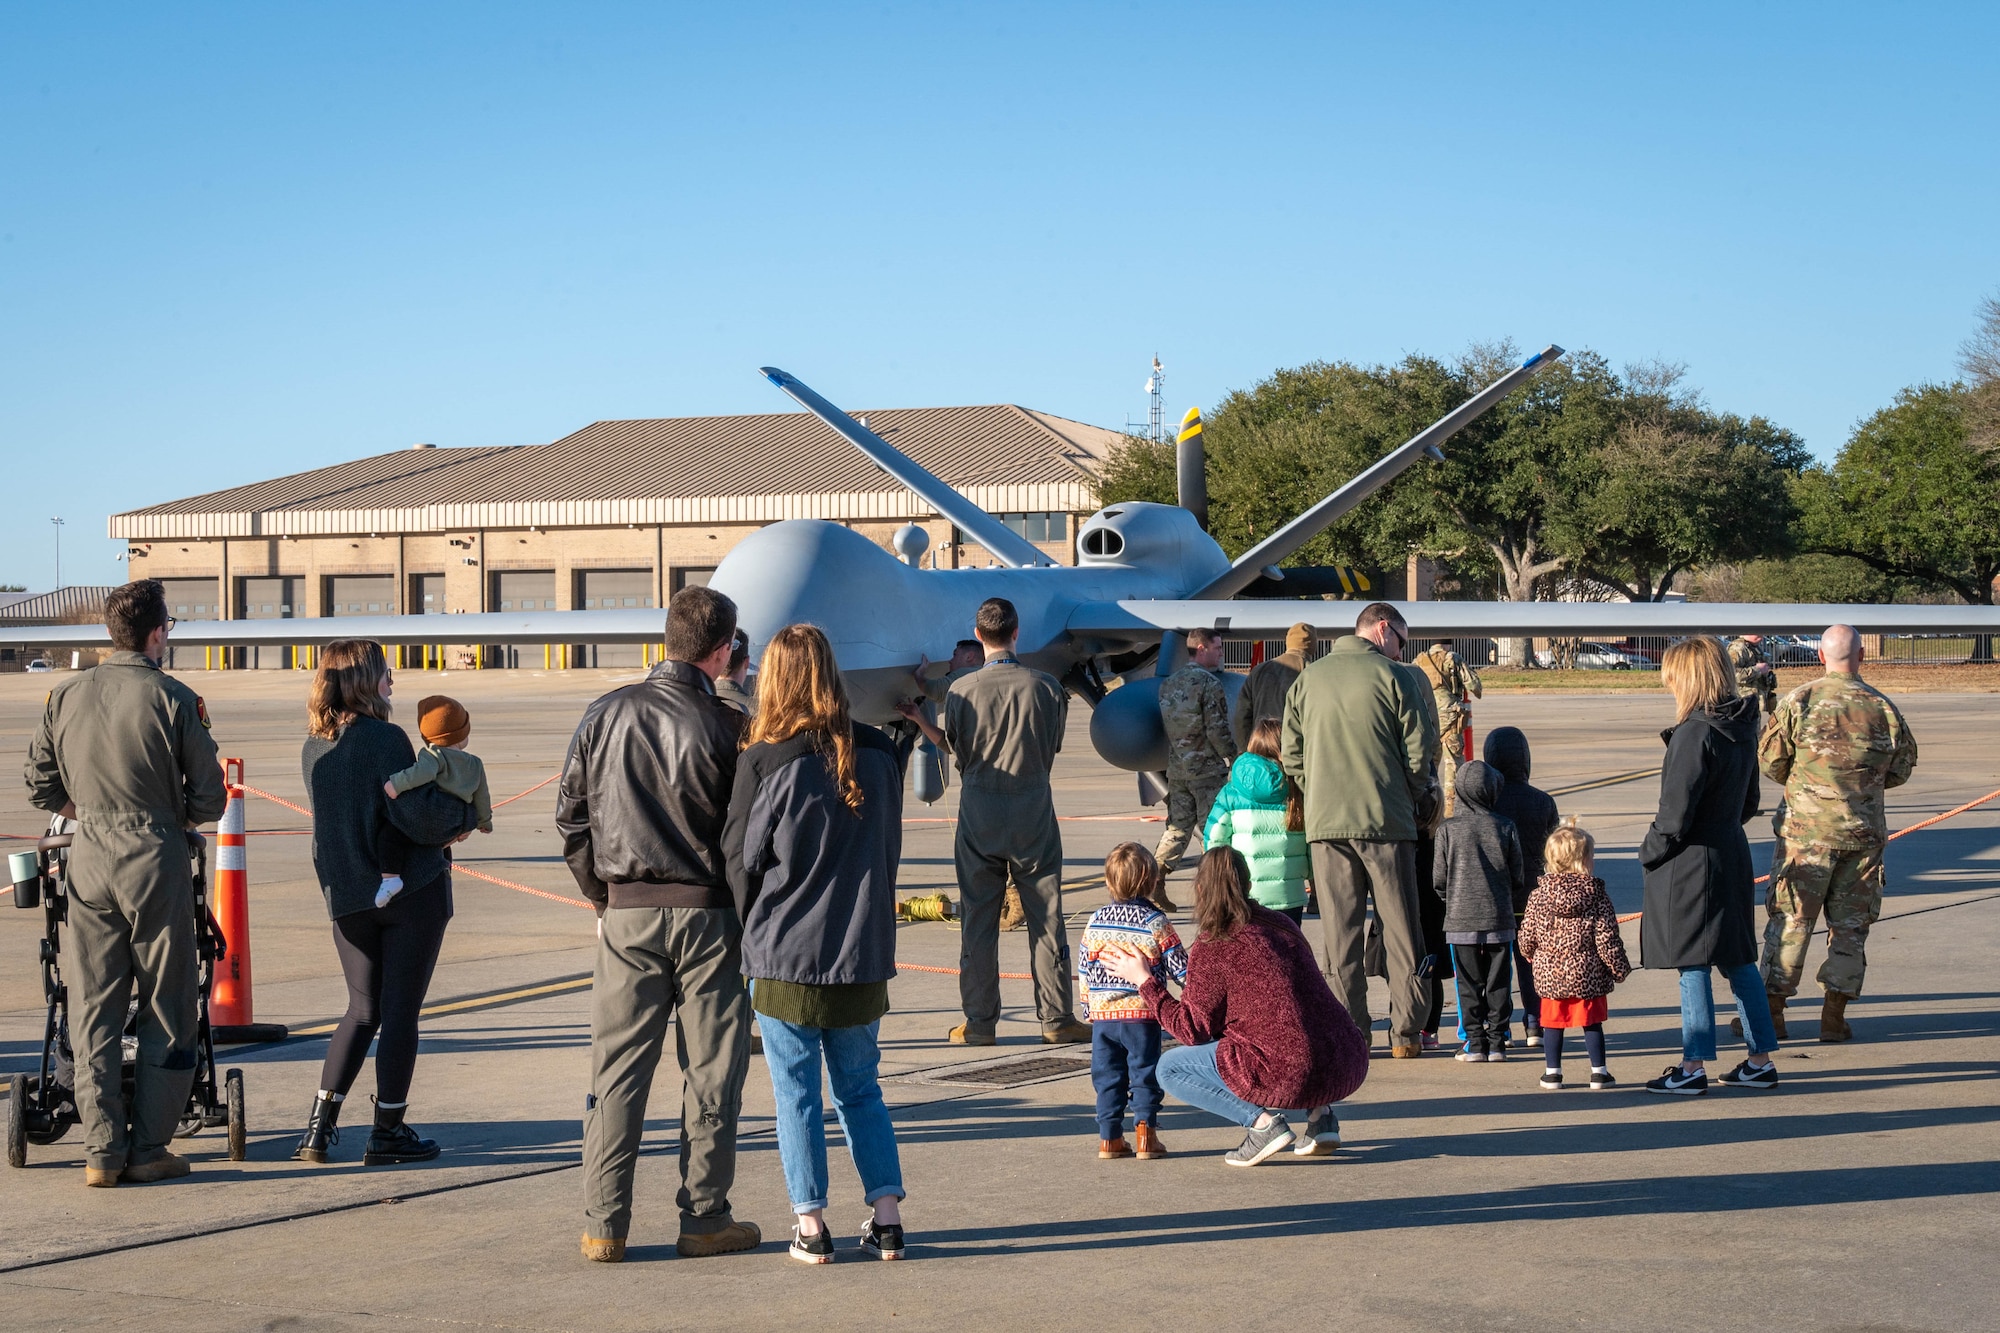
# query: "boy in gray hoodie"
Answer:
x=1479 y=870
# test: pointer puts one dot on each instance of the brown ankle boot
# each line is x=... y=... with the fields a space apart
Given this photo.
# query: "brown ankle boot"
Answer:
x=1146 y=1142
x=1778 y=1016
x=1833 y=1018
x=1110 y=1148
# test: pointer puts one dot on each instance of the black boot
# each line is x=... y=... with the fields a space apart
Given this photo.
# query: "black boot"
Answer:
x=393 y=1141
x=322 y=1130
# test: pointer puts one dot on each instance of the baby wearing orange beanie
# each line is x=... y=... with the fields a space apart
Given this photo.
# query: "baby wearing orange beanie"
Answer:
x=443 y=760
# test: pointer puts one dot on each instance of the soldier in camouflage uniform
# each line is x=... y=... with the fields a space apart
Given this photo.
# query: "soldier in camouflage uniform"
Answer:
x=1836 y=745
x=1453 y=686
x=1200 y=747
x=1754 y=674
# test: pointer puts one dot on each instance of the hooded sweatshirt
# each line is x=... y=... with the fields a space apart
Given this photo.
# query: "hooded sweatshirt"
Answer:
x=1478 y=864
x=1249 y=815
x=1570 y=936
x=1532 y=809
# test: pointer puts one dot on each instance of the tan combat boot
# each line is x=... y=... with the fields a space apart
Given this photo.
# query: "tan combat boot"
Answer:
x=167 y=1166
x=1012 y=915
x=604 y=1249
x=732 y=1239
x=1777 y=1019
x=1833 y=1018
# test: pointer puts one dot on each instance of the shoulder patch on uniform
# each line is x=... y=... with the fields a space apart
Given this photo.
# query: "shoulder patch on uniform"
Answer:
x=201 y=711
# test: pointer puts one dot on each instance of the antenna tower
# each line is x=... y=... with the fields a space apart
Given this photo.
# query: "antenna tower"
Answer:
x=1156 y=390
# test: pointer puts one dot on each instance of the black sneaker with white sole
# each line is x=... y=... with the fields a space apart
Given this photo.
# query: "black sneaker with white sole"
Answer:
x=1678 y=1082
x=1600 y=1079
x=1747 y=1075
x=814 y=1249
x=1320 y=1136
x=1552 y=1079
x=882 y=1240
x=1259 y=1144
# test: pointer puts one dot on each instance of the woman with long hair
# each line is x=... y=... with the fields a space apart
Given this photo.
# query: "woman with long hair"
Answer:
x=387 y=953
x=1700 y=885
x=813 y=842
x=1262 y=1036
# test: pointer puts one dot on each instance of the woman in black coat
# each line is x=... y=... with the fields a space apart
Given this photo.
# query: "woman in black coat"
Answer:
x=386 y=952
x=1700 y=884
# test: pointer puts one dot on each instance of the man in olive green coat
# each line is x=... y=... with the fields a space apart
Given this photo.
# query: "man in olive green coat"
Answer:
x=1358 y=739
x=1835 y=744
x=125 y=751
x=1003 y=725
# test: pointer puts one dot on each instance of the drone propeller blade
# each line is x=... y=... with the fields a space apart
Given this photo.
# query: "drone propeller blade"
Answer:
x=1250 y=565
x=1008 y=547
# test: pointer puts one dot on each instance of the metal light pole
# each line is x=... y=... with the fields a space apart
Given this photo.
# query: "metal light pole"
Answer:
x=59 y=527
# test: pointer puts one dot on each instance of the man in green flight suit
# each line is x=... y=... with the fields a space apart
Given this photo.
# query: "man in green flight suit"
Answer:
x=1200 y=748
x=1003 y=724
x=125 y=751
x=1835 y=745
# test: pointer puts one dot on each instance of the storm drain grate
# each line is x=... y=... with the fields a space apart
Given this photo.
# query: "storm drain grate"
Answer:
x=1007 y=1073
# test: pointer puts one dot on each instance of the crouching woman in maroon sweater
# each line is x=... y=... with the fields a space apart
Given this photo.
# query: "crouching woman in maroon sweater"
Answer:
x=1262 y=1038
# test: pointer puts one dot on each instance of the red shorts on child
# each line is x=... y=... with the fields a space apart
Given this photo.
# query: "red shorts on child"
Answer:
x=1574 y=1013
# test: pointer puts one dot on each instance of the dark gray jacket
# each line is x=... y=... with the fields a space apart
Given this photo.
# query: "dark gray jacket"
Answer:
x=815 y=882
x=1478 y=865
x=1532 y=809
x=645 y=791
x=356 y=828
x=1263 y=694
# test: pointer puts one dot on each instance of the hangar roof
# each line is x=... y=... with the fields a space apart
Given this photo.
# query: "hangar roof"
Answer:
x=669 y=470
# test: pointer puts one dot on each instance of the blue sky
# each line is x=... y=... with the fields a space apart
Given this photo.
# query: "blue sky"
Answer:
x=238 y=240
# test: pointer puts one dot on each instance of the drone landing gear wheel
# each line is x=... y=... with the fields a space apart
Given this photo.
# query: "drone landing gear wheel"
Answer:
x=239 y=1128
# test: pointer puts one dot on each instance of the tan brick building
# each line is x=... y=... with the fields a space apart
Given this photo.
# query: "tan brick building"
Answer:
x=621 y=513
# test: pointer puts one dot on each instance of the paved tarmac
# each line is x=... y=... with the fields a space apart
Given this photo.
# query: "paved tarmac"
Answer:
x=1858 y=1196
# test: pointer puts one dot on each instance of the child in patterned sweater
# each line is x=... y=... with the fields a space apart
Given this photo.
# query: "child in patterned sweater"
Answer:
x=1125 y=1036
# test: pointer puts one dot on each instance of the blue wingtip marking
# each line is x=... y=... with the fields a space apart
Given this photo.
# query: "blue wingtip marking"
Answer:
x=773 y=374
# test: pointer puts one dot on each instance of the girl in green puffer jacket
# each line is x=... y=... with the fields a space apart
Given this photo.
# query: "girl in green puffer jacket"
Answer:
x=1261 y=813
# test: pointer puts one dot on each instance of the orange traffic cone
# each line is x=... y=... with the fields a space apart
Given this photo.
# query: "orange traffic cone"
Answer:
x=230 y=1013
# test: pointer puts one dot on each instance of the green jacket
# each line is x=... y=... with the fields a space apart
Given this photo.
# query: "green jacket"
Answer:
x=1358 y=738
x=1249 y=815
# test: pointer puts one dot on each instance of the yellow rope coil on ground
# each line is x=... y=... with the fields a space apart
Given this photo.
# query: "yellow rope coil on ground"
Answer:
x=926 y=907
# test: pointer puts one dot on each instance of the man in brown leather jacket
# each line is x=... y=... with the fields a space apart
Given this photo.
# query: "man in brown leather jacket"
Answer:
x=641 y=806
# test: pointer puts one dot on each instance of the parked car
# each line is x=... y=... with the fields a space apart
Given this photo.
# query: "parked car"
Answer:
x=1793 y=649
x=41 y=664
x=1610 y=657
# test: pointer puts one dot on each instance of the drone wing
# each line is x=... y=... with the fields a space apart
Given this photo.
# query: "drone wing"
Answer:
x=1250 y=566
x=1143 y=621
x=1008 y=547
x=620 y=626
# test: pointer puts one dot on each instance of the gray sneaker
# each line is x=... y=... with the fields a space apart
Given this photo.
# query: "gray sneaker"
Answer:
x=1259 y=1144
x=1320 y=1136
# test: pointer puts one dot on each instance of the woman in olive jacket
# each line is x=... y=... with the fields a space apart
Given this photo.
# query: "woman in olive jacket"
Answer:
x=1700 y=883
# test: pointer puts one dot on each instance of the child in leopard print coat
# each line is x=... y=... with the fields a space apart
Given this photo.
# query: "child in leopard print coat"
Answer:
x=1569 y=934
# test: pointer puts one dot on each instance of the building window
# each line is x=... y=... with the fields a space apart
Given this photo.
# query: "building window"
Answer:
x=361 y=595
x=524 y=590
x=606 y=589
x=692 y=576
x=1042 y=526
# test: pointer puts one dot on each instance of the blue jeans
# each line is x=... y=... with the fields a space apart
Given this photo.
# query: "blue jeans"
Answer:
x=1123 y=1060
x=1189 y=1073
x=852 y=1057
x=1698 y=1011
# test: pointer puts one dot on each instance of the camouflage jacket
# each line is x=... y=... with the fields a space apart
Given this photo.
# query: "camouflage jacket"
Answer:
x=1196 y=714
x=1836 y=744
x=1452 y=682
x=1747 y=657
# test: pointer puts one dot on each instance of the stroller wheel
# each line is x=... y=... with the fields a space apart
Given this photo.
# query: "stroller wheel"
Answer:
x=17 y=1120
x=239 y=1127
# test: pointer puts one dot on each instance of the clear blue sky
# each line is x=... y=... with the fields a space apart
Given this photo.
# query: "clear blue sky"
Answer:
x=244 y=239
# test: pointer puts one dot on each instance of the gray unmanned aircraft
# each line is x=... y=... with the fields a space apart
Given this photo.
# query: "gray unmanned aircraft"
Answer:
x=1145 y=574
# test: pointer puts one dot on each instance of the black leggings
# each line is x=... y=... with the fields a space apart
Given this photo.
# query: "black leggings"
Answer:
x=387 y=954
x=1593 y=1045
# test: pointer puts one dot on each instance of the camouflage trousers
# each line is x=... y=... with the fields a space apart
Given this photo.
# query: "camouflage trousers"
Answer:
x=1451 y=729
x=1188 y=801
x=1842 y=883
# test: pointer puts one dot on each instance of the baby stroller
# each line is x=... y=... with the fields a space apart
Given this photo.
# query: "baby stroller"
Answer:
x=41 y=1106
